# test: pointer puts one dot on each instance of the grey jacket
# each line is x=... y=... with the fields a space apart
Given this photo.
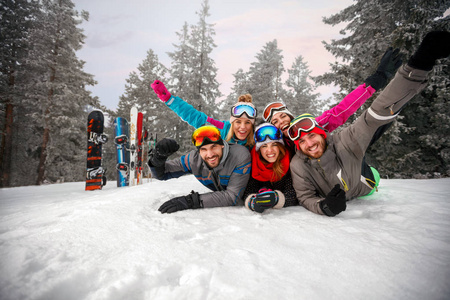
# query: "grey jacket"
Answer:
x=227 y=181
x=341 y=162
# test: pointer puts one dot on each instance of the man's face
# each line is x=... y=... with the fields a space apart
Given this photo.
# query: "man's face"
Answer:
x=312 y=145
x=211 y=154
x=281 y=121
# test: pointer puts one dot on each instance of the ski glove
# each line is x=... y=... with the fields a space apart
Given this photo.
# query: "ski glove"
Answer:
x=161 y=90
x=191 y=201
x=389 y=64
x=435 y=45
x=334 y=203
x=163 y=149
x=262 y=201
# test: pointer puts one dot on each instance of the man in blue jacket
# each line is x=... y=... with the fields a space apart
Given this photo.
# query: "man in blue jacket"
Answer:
x=221 y=167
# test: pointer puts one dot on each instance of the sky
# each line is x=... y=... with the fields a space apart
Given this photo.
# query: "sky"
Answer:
x=61 y=242
x=119 y=33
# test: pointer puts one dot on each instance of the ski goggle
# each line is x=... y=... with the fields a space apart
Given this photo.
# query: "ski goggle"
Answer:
x=268 y=131
x=238 y=110
x=299 y=125
x=271 y=108
x=204 y=133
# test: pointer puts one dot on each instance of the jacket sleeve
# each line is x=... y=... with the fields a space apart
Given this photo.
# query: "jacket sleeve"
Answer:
x=304 y=189
x=194 y=117
x=407 y=83
x=187 y=112
x=234 y=192
x=171 y=169
x=339 y=114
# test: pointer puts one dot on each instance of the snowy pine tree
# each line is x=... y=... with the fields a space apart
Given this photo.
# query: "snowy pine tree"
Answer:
x=193 y=73
x=420 y=139
x=301 y=97
x=56 y=98
x=16 y=18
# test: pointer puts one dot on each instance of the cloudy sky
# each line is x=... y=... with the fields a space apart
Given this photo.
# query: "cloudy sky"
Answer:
x=119 y=34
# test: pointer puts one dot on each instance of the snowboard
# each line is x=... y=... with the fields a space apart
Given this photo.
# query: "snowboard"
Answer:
x=133 y=125
x=122 y=153
x=139 y=148
x=95 y=173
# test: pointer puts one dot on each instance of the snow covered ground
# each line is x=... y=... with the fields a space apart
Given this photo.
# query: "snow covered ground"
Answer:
x=60 y=242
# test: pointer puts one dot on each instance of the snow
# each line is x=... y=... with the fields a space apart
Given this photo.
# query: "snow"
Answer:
x=61 y=242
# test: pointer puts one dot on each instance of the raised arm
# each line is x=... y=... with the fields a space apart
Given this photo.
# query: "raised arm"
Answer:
x=339 y=114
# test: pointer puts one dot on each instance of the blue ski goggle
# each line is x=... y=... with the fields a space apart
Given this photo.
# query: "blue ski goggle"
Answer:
x=267 y=132
x=238 y=110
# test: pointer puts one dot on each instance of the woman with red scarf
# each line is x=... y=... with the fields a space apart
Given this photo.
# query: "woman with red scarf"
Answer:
x=270 y=185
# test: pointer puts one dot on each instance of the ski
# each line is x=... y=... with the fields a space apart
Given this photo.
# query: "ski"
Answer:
x=133 y=125
x=122 y=153
x=139 y=148
x=95 y=173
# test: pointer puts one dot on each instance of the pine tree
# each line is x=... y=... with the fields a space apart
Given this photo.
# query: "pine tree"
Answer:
x=193 y=73
x=56 y=91
x=265 y=84
x=16 y=18
x=420 y=144
x=301 y=98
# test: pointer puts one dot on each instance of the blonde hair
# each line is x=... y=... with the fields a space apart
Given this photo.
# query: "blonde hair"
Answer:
x=278 y=171
x=250 y=139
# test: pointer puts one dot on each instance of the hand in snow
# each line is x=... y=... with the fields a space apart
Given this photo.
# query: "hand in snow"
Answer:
x=161 y=90
x=334 y=203
x=191 y=201
x=263 y=201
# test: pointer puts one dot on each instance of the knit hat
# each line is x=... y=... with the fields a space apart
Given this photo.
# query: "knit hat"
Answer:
x=315 y=127
x=233 y=118
x=267 y=133
x=274 y=108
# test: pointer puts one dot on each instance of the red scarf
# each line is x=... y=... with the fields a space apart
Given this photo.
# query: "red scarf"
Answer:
x=264 y=172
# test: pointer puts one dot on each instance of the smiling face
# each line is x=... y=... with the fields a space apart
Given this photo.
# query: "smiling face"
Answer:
x=312 y=145
x=242 y=127
x=211 y=154
x=281 y=121
x=270 y=152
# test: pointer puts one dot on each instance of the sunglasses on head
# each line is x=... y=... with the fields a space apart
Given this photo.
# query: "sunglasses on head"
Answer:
x=299 y=125
x=267 y=131
x=204 y=133
x=271 y=108
x=240 y=109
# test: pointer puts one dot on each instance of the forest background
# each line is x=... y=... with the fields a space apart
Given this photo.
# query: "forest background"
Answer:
x=45 y=97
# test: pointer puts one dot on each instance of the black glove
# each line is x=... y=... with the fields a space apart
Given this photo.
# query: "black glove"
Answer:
x=191 y=201
x=263 y=201
x=435 y=45
x=389 y=64
x=334 y=202
x=163 y=149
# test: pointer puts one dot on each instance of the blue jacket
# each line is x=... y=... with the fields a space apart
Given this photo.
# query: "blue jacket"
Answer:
x=197 y=118
x=227 y=181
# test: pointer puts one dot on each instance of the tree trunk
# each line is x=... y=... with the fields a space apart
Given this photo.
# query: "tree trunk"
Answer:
x=43 y=157
x=46 y=136
x=6 y=146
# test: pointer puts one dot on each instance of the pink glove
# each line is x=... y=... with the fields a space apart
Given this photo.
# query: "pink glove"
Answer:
x=161 y=90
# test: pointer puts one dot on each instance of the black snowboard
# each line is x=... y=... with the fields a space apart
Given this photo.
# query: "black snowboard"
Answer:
x=95 y=178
